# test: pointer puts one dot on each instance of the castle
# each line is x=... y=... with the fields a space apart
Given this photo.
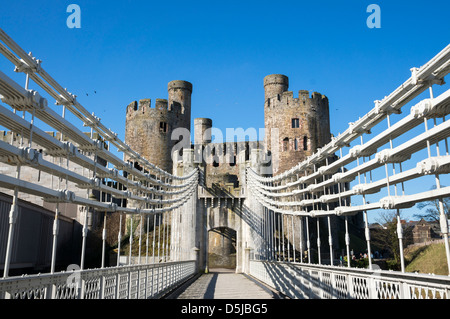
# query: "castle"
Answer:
x=294 y=129
x=227 y=220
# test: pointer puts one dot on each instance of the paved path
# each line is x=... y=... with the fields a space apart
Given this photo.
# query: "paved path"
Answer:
x=225 y=284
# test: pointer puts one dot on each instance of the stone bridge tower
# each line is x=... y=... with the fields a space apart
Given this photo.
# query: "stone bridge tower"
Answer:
x=295 y=127
x=148 y=130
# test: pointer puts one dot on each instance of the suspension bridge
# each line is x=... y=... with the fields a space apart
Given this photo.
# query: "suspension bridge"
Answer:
x=368 y=167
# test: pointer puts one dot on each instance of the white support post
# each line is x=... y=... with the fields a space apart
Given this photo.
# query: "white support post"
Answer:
x=293 y=237
x=84 y=234
x=140 y=239
x=119 y=239
x=154 y=235
x=55 y=238
x=12 y=222
x=146 y=239
x=367 y=235
x=207 y=235
x=279 y=236
x=308 y=244
x=163 y=238
x=301 y=238
x=400 y=241
x=318 y=241
x=173 y=231
x=347 y=242
x=159 y=237
x=330 y=241
x=104 y=241
x=287 y=239
x=274 y=243
x=282 y=235
x=130 y=239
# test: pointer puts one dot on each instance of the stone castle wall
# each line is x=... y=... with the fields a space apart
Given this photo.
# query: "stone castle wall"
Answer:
x=148 y=130
x=295 y=127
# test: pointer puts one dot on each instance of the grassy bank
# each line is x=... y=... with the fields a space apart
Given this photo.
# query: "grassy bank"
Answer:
x=427 y=259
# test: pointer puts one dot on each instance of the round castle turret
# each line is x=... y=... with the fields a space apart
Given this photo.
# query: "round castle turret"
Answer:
x=180 y=101
x=275 y=84
x=298 y=126
x=148 y=130
x=202 y=131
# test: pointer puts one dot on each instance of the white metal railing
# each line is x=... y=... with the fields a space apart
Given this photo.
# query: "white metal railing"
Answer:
x=305 y=281
x=149 y=190
x=125 y=282
x=326 y=184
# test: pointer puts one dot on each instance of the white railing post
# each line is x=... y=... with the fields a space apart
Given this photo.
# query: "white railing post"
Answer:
x=130 y=240
x=367 y=235
x=330 y=241
x=347 y=243
x=102 y=286
x=400 y=241
x=119 y=239
x=350 y=291
x=308 y=243
x=104 y=241
x=84 y=237
x=14 y=211
x=55 y=238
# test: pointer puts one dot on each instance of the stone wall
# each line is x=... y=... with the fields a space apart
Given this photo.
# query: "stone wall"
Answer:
x=298 y=125
x=148 y=131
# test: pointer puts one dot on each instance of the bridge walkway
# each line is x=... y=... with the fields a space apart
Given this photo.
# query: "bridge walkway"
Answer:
x=224 y=284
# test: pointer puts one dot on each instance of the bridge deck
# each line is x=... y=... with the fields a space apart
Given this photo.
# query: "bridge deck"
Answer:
x=225 y=284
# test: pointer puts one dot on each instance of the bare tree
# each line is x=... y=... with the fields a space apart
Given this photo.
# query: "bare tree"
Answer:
x=431 y=209
x=387 y=238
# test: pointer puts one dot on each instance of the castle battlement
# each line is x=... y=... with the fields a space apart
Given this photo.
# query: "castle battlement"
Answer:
x=144 y=106
x=305 y=100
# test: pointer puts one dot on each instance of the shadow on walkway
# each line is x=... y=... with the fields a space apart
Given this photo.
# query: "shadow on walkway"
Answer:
x=224 y=284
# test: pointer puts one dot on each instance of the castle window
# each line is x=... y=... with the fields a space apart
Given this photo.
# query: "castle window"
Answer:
x=285 y=144
x=295 y=144
x=305 y=143
x=163 y=127
x=295 y=123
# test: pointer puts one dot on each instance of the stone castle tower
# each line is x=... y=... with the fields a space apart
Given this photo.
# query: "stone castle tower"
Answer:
x=294 y=127
x=148 y=130
x=298 y=126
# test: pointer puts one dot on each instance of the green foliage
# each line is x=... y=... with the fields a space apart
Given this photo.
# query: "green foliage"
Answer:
x=393 y=264
x=357 y=263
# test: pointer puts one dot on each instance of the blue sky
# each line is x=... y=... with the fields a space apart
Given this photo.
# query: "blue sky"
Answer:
x=129 y=50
